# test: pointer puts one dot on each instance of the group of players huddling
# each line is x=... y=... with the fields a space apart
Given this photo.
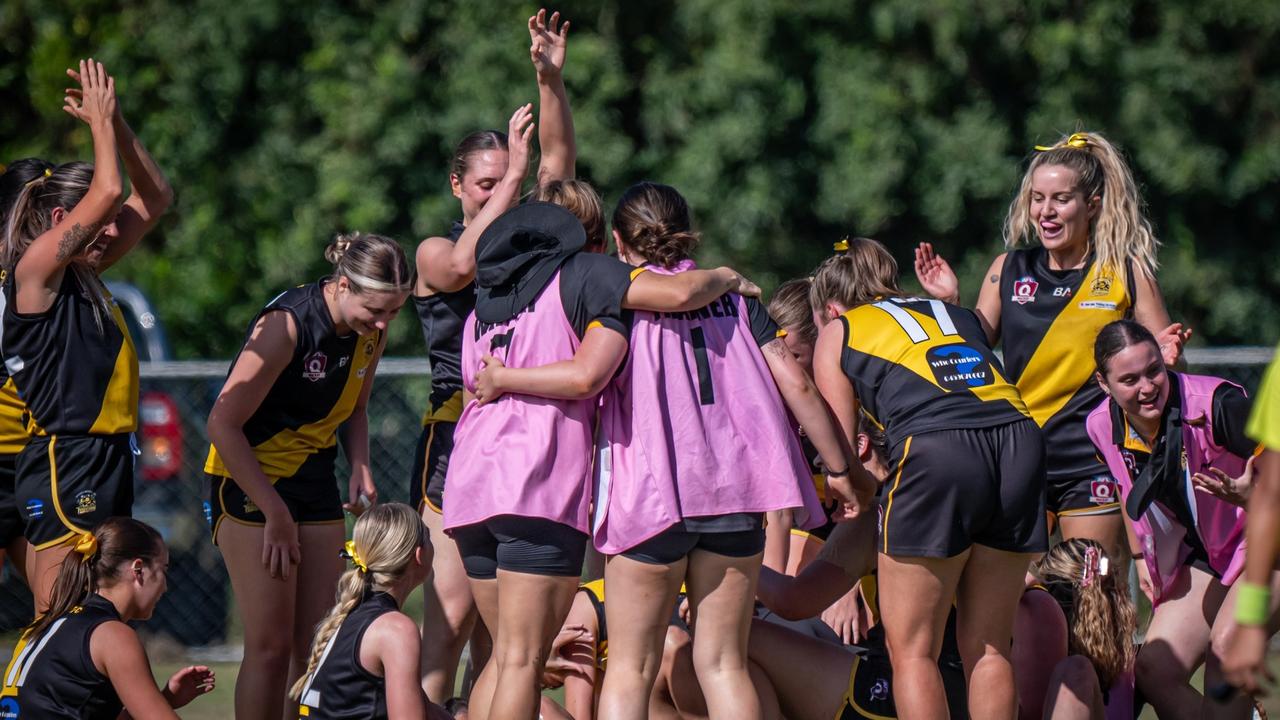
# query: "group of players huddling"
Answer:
x=838 y=505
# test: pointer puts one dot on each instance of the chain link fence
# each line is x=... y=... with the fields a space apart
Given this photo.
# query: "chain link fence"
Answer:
x=177 y=397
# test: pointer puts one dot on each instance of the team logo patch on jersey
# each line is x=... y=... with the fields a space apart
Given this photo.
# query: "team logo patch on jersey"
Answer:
x=313 y=366
x=1102 y=490
x=1097 y=305
x=1101 y=286
x=1024 y=290
x=959 y=367
x=35 y=509
x=1062 y=292
x=9 y=709
x=86 y=502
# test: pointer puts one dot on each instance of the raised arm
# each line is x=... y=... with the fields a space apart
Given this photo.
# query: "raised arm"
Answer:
x=38 y=273
x=447 y=266
x=151 y=193
x=584 y=376
x=940 y=281
x=265 y=355
x=1150 y=312
x=684 y=291
x=547 y=50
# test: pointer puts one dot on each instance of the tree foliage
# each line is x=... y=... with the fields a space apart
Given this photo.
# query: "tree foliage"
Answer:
x=786 y=124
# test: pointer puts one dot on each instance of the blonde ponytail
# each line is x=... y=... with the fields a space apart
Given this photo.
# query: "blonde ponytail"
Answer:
x=1120 y=232
x=385 y=539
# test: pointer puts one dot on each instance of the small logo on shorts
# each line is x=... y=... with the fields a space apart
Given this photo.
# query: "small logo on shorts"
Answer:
x=35 y=509
x=879 y=690
x=249 y=506
x=1102 y=490
x=86 y=502
x=1024 y=290
x=208 y=513
x=1101 y=286
x=313 y=366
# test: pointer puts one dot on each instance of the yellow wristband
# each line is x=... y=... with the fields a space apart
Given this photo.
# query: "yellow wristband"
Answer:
x=1253 y=604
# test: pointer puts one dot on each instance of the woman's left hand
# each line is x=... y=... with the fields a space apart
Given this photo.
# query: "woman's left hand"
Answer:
x=1224 y=487
x=547 y=43
x=1171 y=340
x=362 y=494
x=188 y=684
x=487 y=389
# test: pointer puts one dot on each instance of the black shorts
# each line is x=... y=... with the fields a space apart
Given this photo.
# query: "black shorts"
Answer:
x=1083 y=495
x=950 y=489
x=311 y=501
x=430 y=464
x=870 y=691
x=733 y=535
x=11 y=522
x=534 y=546
x=813 y=627
x=67 y=484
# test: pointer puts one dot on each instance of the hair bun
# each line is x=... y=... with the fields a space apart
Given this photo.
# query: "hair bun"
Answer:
x=338 y=247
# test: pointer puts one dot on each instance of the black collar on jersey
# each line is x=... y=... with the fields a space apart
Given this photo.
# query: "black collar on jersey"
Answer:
x=1163 y=472
x=518 y=254
x=456 y=230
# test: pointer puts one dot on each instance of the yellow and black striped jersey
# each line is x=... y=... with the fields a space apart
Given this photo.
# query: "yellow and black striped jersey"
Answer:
x=76 y=372
x=1048 y=322
x=594 y=591
x=920 y=365
x=294 y=431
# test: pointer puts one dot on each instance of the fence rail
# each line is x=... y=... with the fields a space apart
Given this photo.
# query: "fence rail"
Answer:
x=196 y=610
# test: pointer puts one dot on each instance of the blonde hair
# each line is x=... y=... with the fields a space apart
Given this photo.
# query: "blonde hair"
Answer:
x=1102 y=619
x=790 y=308
x=385 y=539
x=1120 y=231
x=583 y=201
x=371 y=263
x=863 y=273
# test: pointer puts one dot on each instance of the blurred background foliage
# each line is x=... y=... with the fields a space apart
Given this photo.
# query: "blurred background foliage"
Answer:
x=787 y=124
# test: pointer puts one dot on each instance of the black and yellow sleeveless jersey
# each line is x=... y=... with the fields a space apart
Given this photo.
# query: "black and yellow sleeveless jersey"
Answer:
x=594 y=591
x=75 y=374
x=51 y=675
x=1048 y=322
x=13 y=412
x=341 y=687
x=442 y=315
x=919 y=365
x=294 y=431
x=825 y=496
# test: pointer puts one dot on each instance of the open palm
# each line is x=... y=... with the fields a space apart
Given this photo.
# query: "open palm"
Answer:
x=547 y=42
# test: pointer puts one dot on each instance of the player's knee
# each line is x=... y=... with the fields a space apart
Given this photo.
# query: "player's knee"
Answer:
x=1156 y=667
x=272 y=649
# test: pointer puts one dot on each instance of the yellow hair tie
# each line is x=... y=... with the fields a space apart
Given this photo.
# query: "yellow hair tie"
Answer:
x=48 y=172
x=349 y=552
x=841 y=246
x=1077 y=141
x=87 y=546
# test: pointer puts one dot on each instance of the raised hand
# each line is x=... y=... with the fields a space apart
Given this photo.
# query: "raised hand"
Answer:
x=188 y=684
x=936 y=275
x=519 y=133
x=1171 y=340
x=95 y=101
x=547 y=44
x=1224 y=487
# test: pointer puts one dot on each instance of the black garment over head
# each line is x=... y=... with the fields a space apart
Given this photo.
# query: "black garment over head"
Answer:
x=51 y=675
x=518 y=254
x=341 y=688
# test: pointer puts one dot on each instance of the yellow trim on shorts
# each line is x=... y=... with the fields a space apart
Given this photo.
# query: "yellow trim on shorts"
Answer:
x=898 y=479
x=807 y=535
x=57 y=506
x=422 y=481
x=595 y=324
x=851 y=702
x=1107 y=509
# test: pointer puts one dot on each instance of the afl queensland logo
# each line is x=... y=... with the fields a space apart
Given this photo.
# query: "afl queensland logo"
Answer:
x=1024 y=290
x=313 y=366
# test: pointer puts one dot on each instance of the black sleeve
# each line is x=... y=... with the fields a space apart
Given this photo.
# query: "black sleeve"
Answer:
x=1230 y=414
x=763 y=328
x=592 y=287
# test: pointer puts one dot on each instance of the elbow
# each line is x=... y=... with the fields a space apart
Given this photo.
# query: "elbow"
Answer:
x=587 y=386
x=164 y=198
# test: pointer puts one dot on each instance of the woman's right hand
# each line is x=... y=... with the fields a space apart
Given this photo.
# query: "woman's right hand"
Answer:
x=740 y=284
x=936 y=275
x=487 y=387
x=1144 y=579
x=95 y=102
x=519 y=132
x=280 y=549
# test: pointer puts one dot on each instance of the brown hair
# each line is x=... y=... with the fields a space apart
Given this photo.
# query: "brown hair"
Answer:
x=1120 y=231
x=790 y=308
x=581 y=199
x=1116 y=336
x=120 y=540
x=1101 y=617
x=864 y=273
x=371 y=263
x=478 y=141
x=385 y=539
x=653 y=220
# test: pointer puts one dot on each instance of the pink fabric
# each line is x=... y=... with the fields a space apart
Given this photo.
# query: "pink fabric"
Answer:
x=663 y=455
x=1120 y=697
x=521 y=455
x=1220 y=524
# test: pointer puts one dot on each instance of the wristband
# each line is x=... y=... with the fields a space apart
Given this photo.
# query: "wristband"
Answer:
x=1137 y=556
x=837 y=473
x=1253 y=603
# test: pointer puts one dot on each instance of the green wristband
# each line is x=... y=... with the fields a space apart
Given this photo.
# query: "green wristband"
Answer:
x=1253 y=603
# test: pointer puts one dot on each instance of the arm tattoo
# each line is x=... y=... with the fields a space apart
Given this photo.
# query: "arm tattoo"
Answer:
x=775 y=347
x=75 y=239
x=995 y=278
